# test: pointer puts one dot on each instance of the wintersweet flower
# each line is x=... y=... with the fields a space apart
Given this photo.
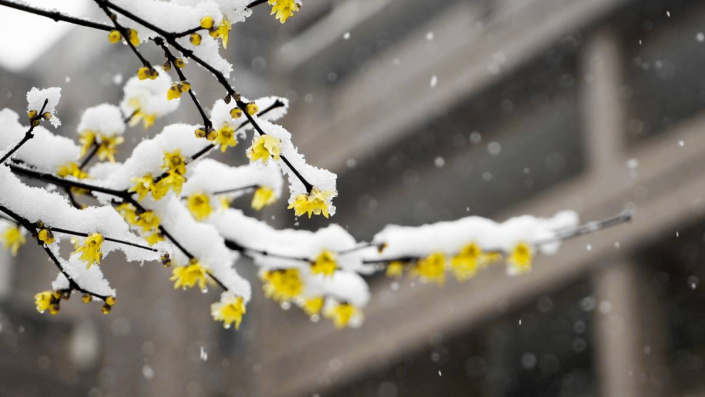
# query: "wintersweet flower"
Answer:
x=431 y=268
x=520 y=258
x=190 y=275
x=252 y=108
x=284 y=9
x=107 y=145
x=229 y=310
x=464 y=265
x=143 y=186
x=341 y=314
x=313 y=306
x=45 y=236
x=395 y=269
x=45 y=300
x=226 y=138
x=199 y=204
x=90 y=250
x=71 y=169
x=13 y=239
x=154 y=238
x=263 y=197
x=264 y=147
x=148 y=221
x=282 y=284
x=174 y=162
x=221 y=32
x=114 y=36
x=317 y=202
x=173 y=181
x=133 y=37
x=325 y=264
x=139 y=115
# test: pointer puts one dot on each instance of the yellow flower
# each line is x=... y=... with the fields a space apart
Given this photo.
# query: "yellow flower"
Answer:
x=154 y=238
x=108 y=147
x=190 y=275
x=133 y=37
x=147 y=119
x=173 y=180
x=207 y=22
x=90 y=250
x=173 y=92
x=108 y=144
x=72 y=169
x=284 y=9
x=143 y=186
x=432 y=268
x=200 y=206
x=148 y=221
x=175 y=162
x=313 y=306
x=226 y=137
x=316 y=203
x=87 y=138
x=264 y=196
x=229 y=310
x=128 y=213
x=464 y=265
x=114 y=36
x=520 y=259
x=45 y=300
x=325 y=264
x=252 y=108
x=283 y=284
x=395 y=269
x=264 y=147
x=13 y=239
x=221 y=32
x=341 y=314
x=45 y=236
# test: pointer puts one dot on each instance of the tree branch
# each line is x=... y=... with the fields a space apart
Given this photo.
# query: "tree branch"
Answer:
x=28 y=135
x=55 y=15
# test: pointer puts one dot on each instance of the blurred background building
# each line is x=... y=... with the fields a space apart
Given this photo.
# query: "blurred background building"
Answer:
x=428 y=111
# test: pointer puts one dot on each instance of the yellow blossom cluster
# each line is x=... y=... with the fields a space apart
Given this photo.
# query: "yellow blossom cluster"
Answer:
x=190 y=275
x=463 y=265
x=282 y=284
x=90 y=251
x=177 y=89
x=220 y=31
x=174 y=166
x=264 y=148
x=229 y=310
x=284 y=9
x=317 y=202
x=115 y=36
x=51 y=300
x=341 y=314
x=107 y=145
x=324 y=264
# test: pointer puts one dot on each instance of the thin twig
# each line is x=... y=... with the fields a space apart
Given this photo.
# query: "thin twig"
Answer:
x=33 y=231
x=55 y=15
x=28 y=135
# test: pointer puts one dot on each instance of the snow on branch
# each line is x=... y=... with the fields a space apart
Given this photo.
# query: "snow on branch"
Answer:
x=167 y=202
